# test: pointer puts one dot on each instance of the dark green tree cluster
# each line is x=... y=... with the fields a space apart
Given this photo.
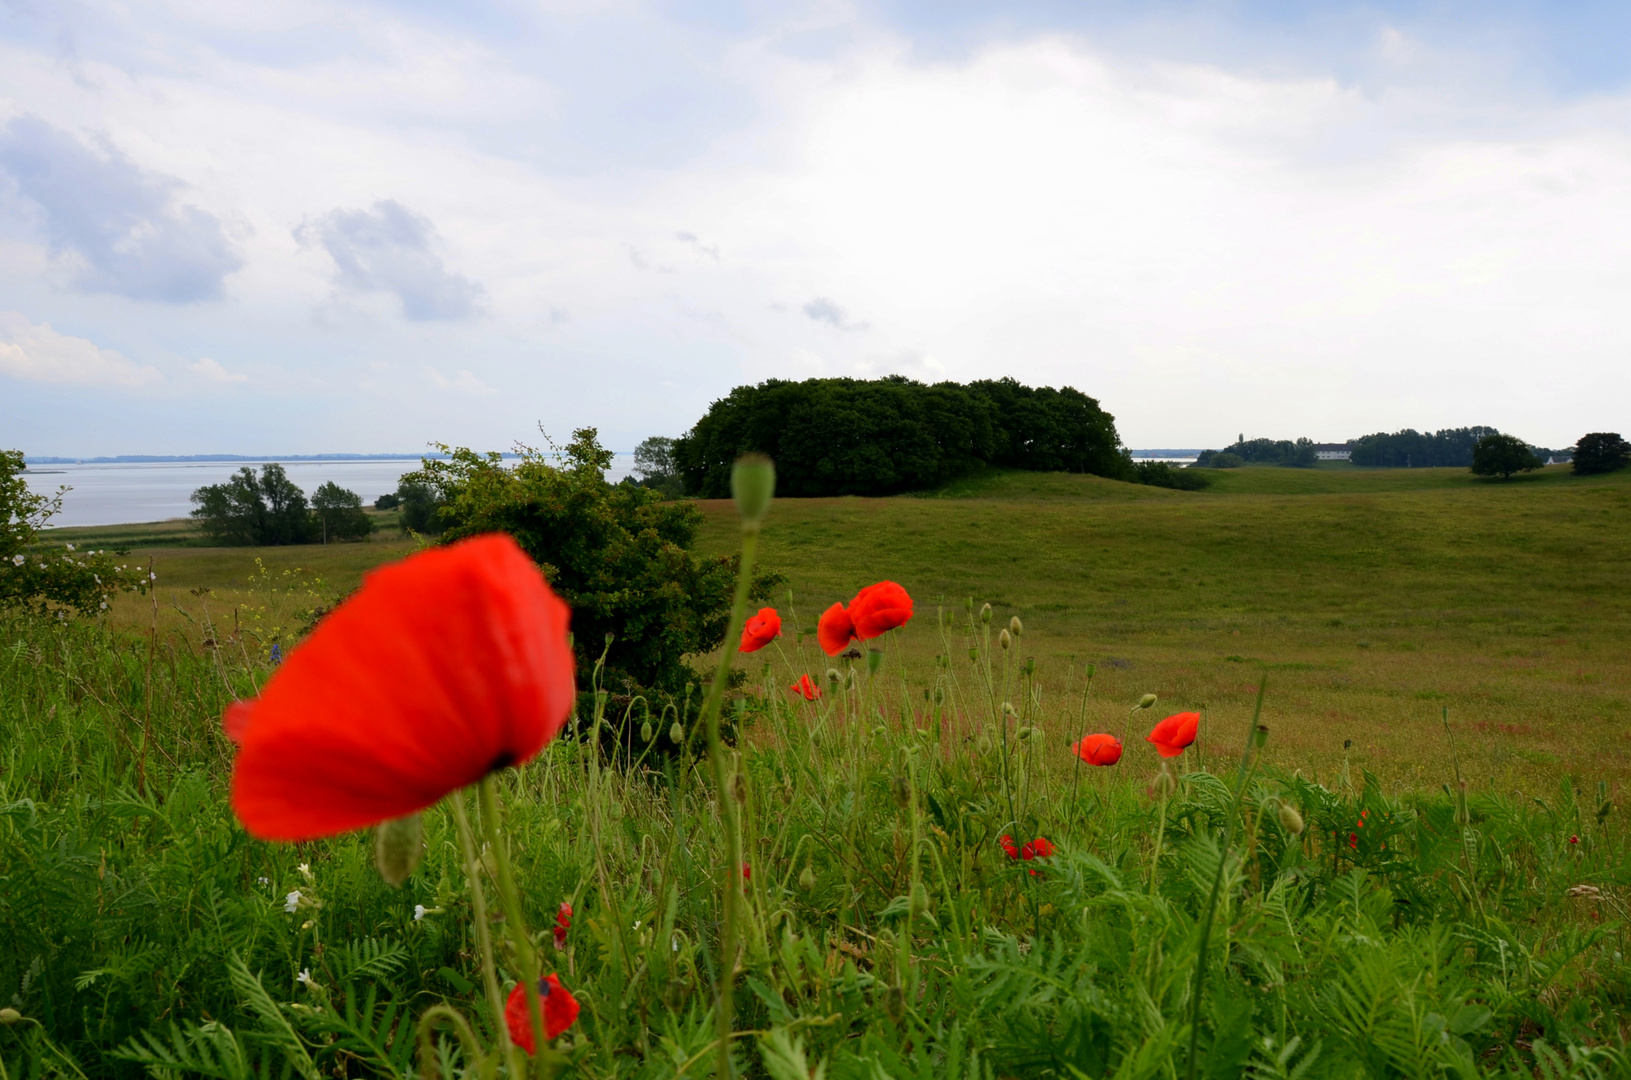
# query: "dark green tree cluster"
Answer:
x=1503 y=455
x=1298 y=454
x=654 y=463
x=883 y=436
x=271 y=510
x=1163 y=474
x=1448 y=448
x=619 y=554
x=36 y=577
x=1601 y=452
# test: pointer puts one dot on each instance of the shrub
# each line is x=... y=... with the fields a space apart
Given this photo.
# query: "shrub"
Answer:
x=388 y=501
x=35 y=580
x=339 y=513
x=246 y=509
x=1601 y=452
x=421 y=507
x=884 y=436
x=1223 y=460
x=617 y=553
x=1161 y=474
x=1503 y=455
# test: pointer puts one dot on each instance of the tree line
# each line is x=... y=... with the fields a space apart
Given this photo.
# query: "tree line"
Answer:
x=270 y=509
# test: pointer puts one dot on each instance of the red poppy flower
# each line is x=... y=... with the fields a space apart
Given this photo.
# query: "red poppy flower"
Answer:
x=1099 y=749
x=747 y=871
x=835 y=630
x=440 y=669
x=1040 y=848
x=560 y=1012
x=563 y=923
x=806 y=688
x=1007 y=843
x=1574 y=839
x=1353 y=840
x=761 y=630
x=1174 y=733
x=879 y=608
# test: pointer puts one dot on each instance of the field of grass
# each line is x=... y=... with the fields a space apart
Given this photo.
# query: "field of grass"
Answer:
x=1414 y=928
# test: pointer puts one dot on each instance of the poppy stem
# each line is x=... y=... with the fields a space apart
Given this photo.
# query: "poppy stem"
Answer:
x=484 y=939
x=1076 y=784
x=730 y=876
x=1255 y=737
x=514 y=921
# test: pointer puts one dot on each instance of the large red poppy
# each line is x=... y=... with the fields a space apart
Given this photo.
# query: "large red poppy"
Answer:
x=879 y=608
x=440 y=669
x=1173 y=734
x=835 y=630
x=560 y=1011
x=1099 y=749
x=761 y=630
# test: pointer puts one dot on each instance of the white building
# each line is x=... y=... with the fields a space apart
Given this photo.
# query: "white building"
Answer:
x=1330 y=451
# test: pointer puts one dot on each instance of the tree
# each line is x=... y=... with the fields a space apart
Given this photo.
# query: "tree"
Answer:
x=617 y=553
x=421 y=509
x=34 y=578
x=340 y=513
x=654 y=462
x=1601 y=452
x=1503 y=455
x=246 y=509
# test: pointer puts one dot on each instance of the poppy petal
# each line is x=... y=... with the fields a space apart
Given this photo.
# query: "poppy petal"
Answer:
x=835 y=630
x=440 y=669
x=879 y=608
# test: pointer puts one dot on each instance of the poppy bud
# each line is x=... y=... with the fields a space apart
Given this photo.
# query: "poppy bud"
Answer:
x=940 y=695
x=985 y=614
x=849 y=680
x=968 y=604
x=1024 y=733
x=920 y=899
x=397 y=848
x=1290 y=820
x=1015 y=627
x=1030 y=665
x=8 y=1015
x=807 y=879
x=902 y=788
x=874 y=661
x=1008 y=709
x=609 y=637
x=753 y=485
x=1261 y=735
x=974 y=654
x=833 y=676
x=675 y=732
x=894 y=1003
x=646 y=733
x=1004 y=639
x=1146 y=701
x=739 y=788
x=1163 y=785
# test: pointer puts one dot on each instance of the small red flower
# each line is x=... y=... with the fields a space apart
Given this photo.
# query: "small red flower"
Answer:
x=747 y=871
x=1099 y=749
x=559 y=1006
x=563 y=923
x=835 y=630
x=1007 y=843
x=806 y=688
x=879 y=608
x=1353 y=840
x=1574 y=839
x=1172 y=735
x=1040 y=848
x=439 y=670
x=761 y=630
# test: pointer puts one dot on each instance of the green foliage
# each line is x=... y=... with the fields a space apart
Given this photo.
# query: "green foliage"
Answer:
x=1163 y=474
x=1299 y=454
x=1222 y=459
x=878 y=437
x=267 y=510
x=389 y=501
x=617 y=553
x=1449 y=448
x=1601 y=452
x=34 y=578
x=421 y=506
x=654 y=462
x=339 y=513
x=1503 y=455
x=147 y=935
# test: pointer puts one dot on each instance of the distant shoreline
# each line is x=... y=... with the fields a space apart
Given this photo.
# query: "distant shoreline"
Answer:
x=171 y=459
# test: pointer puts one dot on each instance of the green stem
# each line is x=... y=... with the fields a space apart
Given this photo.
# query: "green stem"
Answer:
x=1246 y=761
x=733 y=841
x=427 y=1041
x=514 y=921
x=1076 y=778
x=484 y=940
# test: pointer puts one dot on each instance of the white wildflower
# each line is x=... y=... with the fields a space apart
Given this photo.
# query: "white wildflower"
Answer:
x=291 y=902
x=70 y=547
x=264 y=881
x=17 y=560
x=305 y=979
x=418 y=912
x=305 y=871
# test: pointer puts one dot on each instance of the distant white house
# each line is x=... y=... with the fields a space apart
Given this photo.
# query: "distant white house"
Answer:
x=1330 y=451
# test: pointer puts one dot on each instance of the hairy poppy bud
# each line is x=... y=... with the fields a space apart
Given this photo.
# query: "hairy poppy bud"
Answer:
x=1290 y=820
x=902 y=788
x=753 y=485
x=397 y=847
x=1008 y=709
x=920 y=899
x=1163 y=785
x=968 y=604
x=1024 y=733
x=833 y=675
x=675 y=732
x=646 y=733
x=874 y=661
x=985 y=614
x=940 y=695
x=739 y=788
x=1015 y=627
x=1004 y=639
x=894 y=1003
x=1146 y=701
x=8 y=1015
x=807 y=879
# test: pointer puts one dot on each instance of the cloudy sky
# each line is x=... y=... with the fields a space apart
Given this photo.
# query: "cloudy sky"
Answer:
x=290 y=226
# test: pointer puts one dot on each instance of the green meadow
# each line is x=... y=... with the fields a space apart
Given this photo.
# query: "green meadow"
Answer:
x=1422 y=870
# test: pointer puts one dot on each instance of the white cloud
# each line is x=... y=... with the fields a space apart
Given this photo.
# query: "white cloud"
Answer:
x=37 y=353
x=462 y=382
x=212 y=371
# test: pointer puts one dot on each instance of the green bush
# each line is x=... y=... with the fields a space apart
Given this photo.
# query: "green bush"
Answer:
x=1222 y=460
x=884 y=436
x=1161 y=474
x=421 y=507
x=37 y=580
x=617 y=553
x=339 y=513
